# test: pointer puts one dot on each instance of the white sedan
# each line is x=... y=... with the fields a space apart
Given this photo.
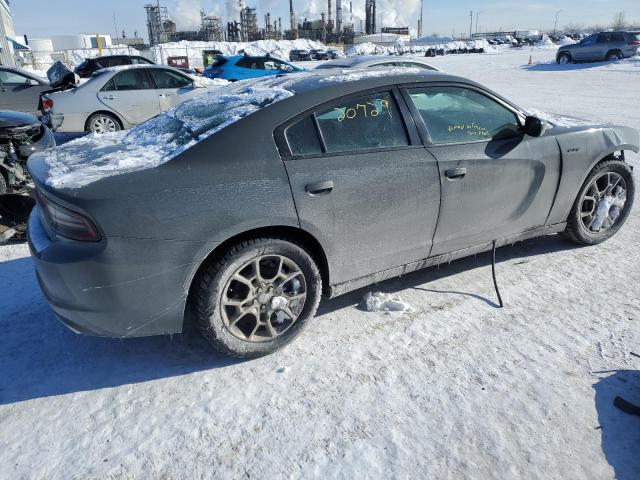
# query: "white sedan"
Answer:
x=118 y=98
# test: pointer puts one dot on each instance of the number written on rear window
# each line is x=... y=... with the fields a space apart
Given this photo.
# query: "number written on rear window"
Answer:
x=365 y=123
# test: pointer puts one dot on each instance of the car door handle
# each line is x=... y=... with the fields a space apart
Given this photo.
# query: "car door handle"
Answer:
x=456 y=173
x=319 y=188
x=109 y=97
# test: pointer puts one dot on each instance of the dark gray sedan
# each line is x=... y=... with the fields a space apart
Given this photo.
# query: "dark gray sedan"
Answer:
x=250 y=202
x=20 y=91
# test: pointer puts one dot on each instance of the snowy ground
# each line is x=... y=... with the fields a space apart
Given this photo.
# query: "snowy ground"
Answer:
x=454 y=388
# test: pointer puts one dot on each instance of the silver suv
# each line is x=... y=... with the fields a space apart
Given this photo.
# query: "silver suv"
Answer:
x=610 y=46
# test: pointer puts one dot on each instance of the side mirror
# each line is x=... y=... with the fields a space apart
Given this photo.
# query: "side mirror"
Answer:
x=533 y=126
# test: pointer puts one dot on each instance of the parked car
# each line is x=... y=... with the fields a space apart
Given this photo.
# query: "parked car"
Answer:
x=20 y=91
x=299 y=56
x=21 y=134
x=375 y=61
x=609 y=46
x=250 y=205
x=91 y=65
x=319 y=55
x=118 y=98
x=242 y=67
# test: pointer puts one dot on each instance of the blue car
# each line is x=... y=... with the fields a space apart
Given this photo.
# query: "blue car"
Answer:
x=242 y=67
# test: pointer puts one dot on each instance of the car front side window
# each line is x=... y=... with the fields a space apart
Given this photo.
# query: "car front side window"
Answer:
x=369 y=122
x=461 y=115
x=127 y=80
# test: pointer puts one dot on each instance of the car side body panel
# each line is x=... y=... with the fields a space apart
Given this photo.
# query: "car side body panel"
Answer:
x=581 y=149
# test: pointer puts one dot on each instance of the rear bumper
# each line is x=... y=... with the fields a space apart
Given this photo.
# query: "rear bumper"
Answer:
x=112 y=288
x=53 y=120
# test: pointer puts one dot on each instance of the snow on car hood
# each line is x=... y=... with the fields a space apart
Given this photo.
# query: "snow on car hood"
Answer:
x=560 y=120
x=160 y=139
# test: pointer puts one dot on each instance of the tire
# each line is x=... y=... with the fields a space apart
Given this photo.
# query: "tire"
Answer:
x=217 y=285
x=614 y=56
x=103 y=123
x=4 y=188
x=576 y=230
x=564 y=59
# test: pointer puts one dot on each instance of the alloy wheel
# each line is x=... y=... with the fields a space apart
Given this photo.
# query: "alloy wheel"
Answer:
x=103 y=124
x=603 y=202
x=263 y=298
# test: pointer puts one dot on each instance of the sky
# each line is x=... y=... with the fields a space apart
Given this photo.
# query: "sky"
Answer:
x=41 y=18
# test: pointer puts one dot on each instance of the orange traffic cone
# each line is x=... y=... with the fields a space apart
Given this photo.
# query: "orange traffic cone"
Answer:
x=530 y=59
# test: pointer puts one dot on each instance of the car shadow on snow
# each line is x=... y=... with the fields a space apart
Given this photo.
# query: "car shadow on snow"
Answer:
x=39 y=357
x=620 y=431
x=416 y=280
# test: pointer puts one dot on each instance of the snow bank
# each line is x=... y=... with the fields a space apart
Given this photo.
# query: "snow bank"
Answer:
x=565 y=41
x=193 y=50
x=422 y=47
x=384 y=302
x=88 y=159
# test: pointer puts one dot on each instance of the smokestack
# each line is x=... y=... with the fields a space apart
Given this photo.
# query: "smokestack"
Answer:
x=293 y=19
x=329 y=11
x=338 y=16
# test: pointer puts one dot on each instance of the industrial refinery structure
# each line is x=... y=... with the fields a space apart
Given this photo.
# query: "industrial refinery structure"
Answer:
x=331 y=27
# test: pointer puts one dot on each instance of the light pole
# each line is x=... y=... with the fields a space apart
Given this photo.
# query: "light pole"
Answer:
x=555 y=25
x=471 y=24
x=477 y=15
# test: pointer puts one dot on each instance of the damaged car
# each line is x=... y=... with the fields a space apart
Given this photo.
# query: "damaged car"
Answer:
x=350 y=178
x=118 y=98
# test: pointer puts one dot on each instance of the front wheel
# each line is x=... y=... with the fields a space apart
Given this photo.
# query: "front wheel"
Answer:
x=257 y=296
x=603 y=203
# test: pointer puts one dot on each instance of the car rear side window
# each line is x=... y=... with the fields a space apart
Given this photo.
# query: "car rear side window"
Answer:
x=302 y=138
x=369 y=122
x=460 y=115
x=10 y=78
x=134 y=79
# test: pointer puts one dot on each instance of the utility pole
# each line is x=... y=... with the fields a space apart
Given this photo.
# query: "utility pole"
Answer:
x=555 y=25
x=115 y=24
x=470 y=24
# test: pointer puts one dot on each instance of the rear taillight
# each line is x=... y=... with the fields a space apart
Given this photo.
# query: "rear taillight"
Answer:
x=66 y=223
x=634 y=43
x=47 y=104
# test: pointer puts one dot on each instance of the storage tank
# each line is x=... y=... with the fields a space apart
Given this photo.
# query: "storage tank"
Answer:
x=44 y=45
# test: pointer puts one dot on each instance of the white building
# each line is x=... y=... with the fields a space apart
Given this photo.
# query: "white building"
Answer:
x=6 y=31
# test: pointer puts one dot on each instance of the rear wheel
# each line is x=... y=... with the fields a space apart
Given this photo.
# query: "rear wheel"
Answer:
x=257 y=296
x=103 y=123
x=603 y=203
x=564 y=58
x=614 y=56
